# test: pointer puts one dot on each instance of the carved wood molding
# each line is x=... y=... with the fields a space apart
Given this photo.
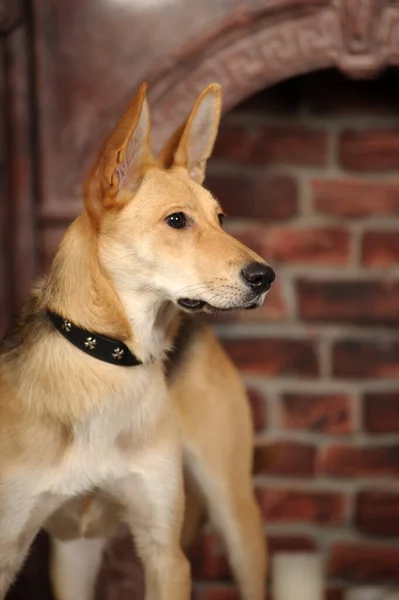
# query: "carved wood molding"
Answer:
x=254 y=44
x=359 y=37
x=360 y=19
x=10 y=14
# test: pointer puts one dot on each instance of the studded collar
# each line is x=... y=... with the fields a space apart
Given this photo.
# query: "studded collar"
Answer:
x=99 y=346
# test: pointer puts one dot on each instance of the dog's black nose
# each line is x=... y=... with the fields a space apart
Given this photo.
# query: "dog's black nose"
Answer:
x=259 y=276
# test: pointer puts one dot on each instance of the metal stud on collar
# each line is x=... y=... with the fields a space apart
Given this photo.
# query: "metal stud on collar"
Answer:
x=66 y=325
x=118 y=353
x=91 y=342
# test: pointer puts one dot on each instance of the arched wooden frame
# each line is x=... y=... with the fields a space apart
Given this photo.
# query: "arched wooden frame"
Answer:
x=253 y=44
x=277 y=40
x=63 y=90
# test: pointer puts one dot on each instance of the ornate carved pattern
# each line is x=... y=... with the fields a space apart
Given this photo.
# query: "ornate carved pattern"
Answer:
x=367 y=44
x=388 y=36
x=252 y=63
x=357 y=36
x=360 y=18
x=263 y=44
x=10 y=14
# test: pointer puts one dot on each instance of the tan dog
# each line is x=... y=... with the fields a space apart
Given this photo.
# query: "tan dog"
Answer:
x=86 y=442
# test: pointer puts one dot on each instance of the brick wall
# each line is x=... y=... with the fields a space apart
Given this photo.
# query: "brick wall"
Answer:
x=307 y=172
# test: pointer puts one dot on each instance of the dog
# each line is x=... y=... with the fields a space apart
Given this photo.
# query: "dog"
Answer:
x=116 y=403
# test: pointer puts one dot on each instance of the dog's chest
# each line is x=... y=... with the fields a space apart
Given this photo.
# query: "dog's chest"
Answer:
x=107 y=446
x=95 y=455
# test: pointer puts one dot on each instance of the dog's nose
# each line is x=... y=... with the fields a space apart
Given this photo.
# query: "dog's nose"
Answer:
x=259 y=276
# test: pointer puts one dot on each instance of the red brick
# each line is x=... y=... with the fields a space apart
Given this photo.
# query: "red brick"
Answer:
x=377 y=512
x=271 y=356
x=236 y=144
x=362 y=563
x=369 y=302
x=291 y=506
x=219 y=592
x=366 y=359
x=381 y=412
x=208 y=559
x=271 y=144
x=314 y=245
x=380 y=248
x=121 y=547
x=359 y=461
x=121 y=570
x=351 y=198
x=364 y=150
x=255 y=195
x=290 y=543
x=120 y=589
x=324 y=413
x=334 y=593
x=258 y=409
x=253 y=237
x=287 y=459
x=273 y=309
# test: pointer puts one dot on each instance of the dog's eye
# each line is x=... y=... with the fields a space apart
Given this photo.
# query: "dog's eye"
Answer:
x=177 y=220
x=221 y=219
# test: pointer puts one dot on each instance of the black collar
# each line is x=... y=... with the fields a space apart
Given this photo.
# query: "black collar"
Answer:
x=99 y=346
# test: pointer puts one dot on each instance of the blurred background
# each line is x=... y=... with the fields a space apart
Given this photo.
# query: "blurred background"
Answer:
x=306 y=166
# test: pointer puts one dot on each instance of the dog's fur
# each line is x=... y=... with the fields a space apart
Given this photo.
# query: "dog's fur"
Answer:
x=85 y=444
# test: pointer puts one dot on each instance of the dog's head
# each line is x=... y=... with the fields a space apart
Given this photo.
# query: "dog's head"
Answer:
x=158 y=229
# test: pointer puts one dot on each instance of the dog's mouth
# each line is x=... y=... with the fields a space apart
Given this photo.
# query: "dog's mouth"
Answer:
x=193 y=305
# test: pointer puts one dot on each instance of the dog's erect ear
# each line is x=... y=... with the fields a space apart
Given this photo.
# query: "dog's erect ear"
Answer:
x=192 y=144
x=123 y=160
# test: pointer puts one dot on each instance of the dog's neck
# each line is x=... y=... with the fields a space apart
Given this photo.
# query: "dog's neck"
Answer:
x=153 y=323
x=78 y=289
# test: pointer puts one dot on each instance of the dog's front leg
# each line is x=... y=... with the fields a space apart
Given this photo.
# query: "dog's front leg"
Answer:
x=21 y=516
x=15 y=535
x=12 y=553
x=154 y=503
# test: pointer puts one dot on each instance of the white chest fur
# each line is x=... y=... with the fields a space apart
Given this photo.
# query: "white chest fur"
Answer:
x=107 y=445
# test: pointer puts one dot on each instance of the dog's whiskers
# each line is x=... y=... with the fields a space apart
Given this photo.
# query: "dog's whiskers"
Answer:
x=200 y=288
x=221 y=293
